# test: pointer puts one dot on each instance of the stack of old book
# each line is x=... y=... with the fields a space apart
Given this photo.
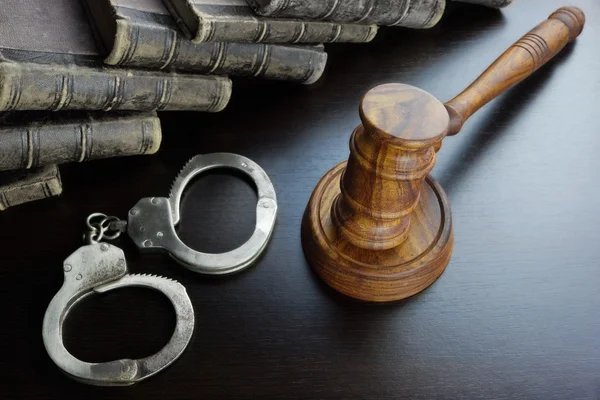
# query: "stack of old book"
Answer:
x=83 y=79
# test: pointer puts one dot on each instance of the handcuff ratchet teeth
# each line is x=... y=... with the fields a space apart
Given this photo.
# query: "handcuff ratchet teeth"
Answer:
x=99 y=268
x=152 y=221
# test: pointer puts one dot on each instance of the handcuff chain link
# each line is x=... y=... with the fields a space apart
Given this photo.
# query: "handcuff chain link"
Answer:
x=102 y=227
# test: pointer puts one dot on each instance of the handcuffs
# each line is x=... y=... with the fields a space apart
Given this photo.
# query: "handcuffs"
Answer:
x=100 y=267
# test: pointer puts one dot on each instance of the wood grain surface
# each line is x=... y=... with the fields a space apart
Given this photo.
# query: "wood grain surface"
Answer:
x=373 y=229
x=377 y=227
x=522 y=59
x=515 y=315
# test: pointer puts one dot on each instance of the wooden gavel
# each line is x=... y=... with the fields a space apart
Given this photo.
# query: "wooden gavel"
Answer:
x=378 y=227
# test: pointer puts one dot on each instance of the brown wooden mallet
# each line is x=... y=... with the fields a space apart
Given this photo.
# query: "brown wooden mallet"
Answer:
x=378 y=227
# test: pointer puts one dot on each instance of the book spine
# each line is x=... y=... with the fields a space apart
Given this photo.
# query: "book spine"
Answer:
x=161 y=47
x=306 y=64
x=25 y=187
x=332 y=10
x=30 y=86
x=31 y=146
x=245 y=27
x=251 y=30
x=489 y=3
x=419 y=14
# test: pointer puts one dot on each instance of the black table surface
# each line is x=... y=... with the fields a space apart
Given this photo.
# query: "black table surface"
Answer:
x=515 y=315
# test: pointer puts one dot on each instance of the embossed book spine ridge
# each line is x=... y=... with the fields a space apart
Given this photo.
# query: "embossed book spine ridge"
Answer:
x=235 y=21
x=39 y=144
x=150 y=38
x=30 y=86
x=20 y=187
x=418 y=14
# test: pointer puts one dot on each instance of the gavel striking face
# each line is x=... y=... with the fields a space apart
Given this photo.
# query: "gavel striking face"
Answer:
x=378 y=227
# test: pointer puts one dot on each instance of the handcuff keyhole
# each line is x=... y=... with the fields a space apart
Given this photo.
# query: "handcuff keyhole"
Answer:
x=116 y=325
x=218 y=211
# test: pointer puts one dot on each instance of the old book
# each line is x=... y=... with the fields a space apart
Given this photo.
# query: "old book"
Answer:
x=407 y=13
x=234 y=21
x=20 y=187
x=489 y=3
x=73 y=137
x=142 y=33
x=49 y=61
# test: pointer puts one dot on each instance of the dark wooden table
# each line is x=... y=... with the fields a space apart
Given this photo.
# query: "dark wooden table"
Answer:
x=516 y=314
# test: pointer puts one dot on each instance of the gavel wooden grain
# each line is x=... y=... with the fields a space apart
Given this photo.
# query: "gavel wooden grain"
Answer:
x=378 y=227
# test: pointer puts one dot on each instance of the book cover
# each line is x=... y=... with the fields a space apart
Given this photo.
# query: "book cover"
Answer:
x=34 y=139
x=418 y=14
x=20 y=187
x=489 y=3
x=142 y=33
x=235 y=21
x=49 y=61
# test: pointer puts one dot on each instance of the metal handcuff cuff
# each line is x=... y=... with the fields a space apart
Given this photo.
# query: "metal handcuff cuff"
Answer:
x=100 y=267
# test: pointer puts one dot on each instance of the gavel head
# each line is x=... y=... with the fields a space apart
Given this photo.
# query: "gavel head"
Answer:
x=378 y=227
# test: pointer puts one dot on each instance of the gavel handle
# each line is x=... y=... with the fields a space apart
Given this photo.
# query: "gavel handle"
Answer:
x=518 y=62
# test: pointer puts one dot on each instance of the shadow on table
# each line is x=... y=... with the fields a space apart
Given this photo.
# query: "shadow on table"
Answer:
x=497 y=123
